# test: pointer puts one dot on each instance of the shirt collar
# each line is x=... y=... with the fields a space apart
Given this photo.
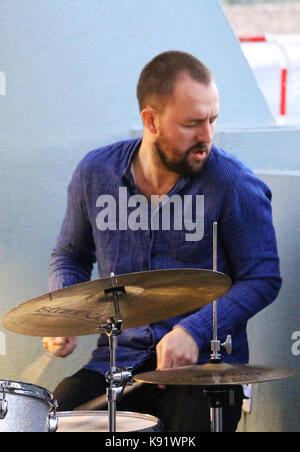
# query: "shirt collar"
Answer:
x=126 y=173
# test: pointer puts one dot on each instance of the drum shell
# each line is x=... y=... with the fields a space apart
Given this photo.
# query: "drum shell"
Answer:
x=28 y=407
x=97 y=421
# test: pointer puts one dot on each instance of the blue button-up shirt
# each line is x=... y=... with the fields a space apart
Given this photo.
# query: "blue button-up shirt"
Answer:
x=233 y=196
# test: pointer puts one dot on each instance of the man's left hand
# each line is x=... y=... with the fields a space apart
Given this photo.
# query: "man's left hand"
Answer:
x=176 y=349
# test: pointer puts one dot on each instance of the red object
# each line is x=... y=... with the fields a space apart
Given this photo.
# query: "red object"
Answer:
x=283 y=91
x=284 y=70
x=253 y=39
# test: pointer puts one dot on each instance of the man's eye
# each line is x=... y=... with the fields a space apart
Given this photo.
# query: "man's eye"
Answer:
x=189 y=125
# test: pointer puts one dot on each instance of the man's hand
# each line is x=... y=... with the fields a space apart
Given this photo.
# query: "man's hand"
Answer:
x=60 y=346
x=176 y=349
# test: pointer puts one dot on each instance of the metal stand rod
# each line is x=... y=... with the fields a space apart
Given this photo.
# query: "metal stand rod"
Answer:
x=218 y=398
x=117 y=378
x=112 y=396
x=112 y=412
x=113 y=345
x=215 y=268
x=216 y=417
x=215 y=343
x=216 y=414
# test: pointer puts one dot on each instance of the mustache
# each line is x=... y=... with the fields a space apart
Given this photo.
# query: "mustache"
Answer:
x=199 y=147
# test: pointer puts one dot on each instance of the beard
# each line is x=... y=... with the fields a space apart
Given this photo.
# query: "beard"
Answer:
x=184 y=166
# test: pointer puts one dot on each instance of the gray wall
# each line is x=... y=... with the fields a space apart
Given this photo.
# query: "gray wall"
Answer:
x=276 y=405
x=273 y=155
x=68 y=72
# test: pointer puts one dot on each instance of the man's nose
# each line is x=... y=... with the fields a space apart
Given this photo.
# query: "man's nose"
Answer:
x=205 y=133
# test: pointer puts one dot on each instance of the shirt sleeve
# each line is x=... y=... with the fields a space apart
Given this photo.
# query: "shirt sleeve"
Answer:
x=246 y=232
x=73 y=257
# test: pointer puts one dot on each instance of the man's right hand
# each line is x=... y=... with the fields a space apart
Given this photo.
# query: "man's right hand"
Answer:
x=60 y=346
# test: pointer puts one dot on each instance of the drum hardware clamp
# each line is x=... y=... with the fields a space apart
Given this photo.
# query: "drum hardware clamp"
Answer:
x=53 y=419
x=3 y=402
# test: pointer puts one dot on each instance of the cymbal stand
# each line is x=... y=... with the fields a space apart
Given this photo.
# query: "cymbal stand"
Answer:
x=117 y=378
x=217 y=397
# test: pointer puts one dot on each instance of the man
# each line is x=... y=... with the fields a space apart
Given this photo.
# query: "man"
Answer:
x=179 y=106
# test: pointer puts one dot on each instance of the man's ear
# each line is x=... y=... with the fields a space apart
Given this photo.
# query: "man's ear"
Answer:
x=150 y=119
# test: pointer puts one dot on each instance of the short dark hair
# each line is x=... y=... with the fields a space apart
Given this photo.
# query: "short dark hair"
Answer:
x=158 y=78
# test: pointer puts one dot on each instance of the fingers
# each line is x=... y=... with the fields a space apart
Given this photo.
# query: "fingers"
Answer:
x=60 y=346
x=164 y=360
x=176 y=349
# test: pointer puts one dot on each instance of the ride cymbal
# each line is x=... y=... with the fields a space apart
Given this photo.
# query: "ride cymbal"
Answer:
x=214 y=375
x=144 y=297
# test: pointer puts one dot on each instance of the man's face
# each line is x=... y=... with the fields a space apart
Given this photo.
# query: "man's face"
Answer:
x=186 y=126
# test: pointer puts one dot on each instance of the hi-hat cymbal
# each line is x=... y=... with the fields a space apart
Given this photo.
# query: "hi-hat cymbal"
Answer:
x=214 y=375
x=149 y=297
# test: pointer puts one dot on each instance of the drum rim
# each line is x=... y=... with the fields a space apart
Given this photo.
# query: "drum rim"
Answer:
x=100 y=413
x=28 y=389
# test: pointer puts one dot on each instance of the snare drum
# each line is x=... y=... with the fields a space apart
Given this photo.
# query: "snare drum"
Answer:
x=25 y=407
x=97 y=421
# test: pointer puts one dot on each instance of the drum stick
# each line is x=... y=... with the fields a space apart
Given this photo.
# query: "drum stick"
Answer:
x=99 y=403
x=35 y=370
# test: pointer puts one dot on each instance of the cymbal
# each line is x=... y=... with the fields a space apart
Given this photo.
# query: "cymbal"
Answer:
x=214 y=375
x=146 y=297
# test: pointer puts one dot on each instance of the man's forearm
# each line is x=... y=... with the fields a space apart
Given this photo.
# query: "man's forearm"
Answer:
x=242 y=301
x=66 y=269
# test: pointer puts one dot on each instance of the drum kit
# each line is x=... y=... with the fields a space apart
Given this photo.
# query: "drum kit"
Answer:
x=108 y=306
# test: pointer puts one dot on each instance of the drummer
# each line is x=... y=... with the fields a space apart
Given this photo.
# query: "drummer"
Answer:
x=179 y=106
